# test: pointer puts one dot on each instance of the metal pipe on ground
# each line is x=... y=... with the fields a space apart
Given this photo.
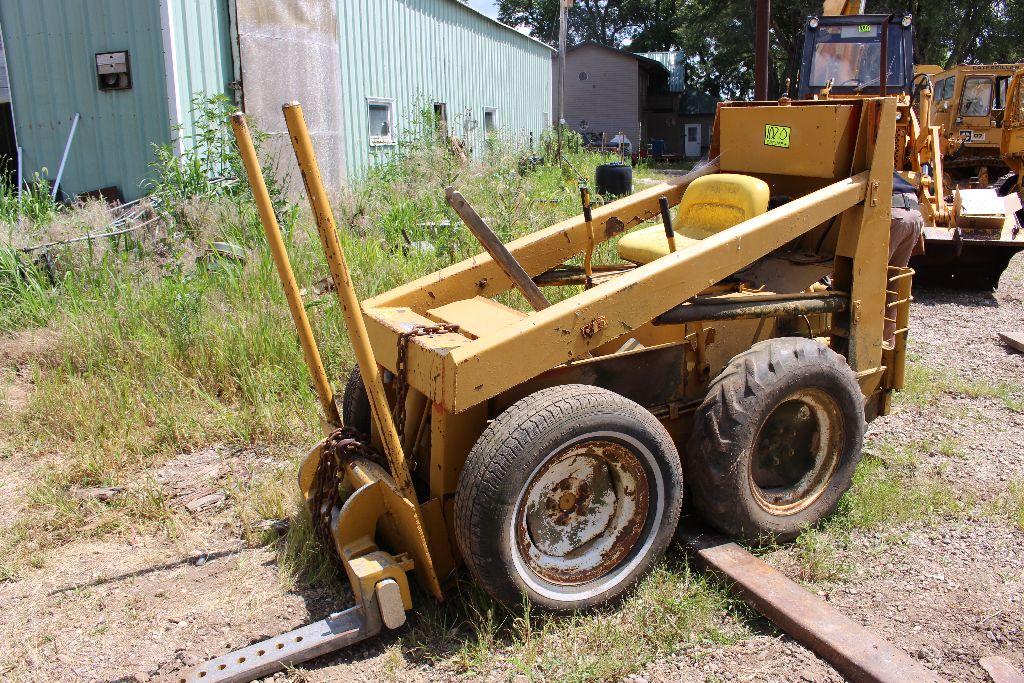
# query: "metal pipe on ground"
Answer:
x=64 y=157
x=743 y=310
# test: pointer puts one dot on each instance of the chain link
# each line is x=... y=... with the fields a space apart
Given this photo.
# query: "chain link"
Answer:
x=340 y=447
x=402 y=370
x=346 y=443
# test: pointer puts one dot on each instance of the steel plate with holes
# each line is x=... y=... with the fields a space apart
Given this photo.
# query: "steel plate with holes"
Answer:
x=302 y=644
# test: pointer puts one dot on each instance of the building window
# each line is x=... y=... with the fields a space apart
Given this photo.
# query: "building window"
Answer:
x=381 y=115
x=490 y=120
x=441 y=118
x=584 y=76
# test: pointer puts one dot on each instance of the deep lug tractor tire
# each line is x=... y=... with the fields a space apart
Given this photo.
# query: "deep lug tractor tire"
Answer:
x=355 y=404
x=776 y=440
x=567 y=498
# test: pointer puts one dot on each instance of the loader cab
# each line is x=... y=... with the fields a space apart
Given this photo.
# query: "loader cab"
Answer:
x=847 y=51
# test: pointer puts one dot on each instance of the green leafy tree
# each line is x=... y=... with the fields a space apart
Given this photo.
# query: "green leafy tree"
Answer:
x=718 y=35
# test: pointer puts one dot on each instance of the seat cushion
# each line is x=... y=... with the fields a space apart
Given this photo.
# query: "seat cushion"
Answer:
x=709 y=205
x=646 y=244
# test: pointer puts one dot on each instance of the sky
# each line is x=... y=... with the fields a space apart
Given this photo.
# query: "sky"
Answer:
x=488 y=7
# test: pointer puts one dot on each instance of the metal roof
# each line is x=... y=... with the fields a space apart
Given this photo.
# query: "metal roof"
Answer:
x=642 y=59
x=675 y=63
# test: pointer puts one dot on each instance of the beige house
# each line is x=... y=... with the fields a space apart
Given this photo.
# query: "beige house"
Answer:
x=643 y=96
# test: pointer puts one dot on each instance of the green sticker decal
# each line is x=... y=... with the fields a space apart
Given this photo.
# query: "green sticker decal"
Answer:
x=864 y=28
x=776 y=136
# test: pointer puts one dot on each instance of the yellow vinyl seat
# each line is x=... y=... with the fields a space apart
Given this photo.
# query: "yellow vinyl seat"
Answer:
x=710 y=205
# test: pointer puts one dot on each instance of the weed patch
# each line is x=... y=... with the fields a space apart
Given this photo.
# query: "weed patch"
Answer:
x=670 y=609
x=889 y=489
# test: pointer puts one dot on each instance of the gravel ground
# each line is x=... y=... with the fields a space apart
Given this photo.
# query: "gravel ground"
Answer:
x=948 y=593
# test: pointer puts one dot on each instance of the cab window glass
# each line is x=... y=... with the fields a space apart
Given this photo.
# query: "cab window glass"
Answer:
x=944 y=89
x=1002 y=82
x=977 y=97
x=849 y=56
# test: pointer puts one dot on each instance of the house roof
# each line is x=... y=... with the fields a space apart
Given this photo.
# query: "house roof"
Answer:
x=675 y=63
x=647 y=62
x=513 y=29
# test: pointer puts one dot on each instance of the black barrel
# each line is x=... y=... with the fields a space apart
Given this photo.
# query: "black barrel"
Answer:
x=615 y=179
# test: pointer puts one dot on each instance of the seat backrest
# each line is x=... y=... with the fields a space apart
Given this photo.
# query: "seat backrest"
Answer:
x=719 y=201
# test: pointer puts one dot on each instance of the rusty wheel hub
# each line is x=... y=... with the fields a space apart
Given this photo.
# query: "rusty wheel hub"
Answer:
x=796 y=452
x=582 y=512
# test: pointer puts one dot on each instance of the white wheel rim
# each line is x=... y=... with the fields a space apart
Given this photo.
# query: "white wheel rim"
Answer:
x=578 y=526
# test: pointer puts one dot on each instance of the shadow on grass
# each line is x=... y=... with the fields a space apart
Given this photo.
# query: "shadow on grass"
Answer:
x=672 y=609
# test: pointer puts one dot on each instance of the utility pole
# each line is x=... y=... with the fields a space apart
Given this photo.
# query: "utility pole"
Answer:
x=563 y=31
x=761 y=48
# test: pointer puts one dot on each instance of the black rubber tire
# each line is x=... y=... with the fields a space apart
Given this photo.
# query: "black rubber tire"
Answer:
x=514 y=447
x=1005 y=184
x=728 y=424
x=355 y=404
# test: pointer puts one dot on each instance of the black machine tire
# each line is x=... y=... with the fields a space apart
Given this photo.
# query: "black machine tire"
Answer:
x=355 y=404
x=1005 y=184
x=770 y=401
x=525 y=531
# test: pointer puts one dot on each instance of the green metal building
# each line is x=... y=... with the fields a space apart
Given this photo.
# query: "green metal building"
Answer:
x=130 y=69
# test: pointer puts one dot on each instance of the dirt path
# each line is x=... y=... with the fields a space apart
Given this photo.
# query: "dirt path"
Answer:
x=140 y=608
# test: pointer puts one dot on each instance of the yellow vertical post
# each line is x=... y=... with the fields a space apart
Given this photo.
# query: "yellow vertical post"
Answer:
x=368 y=367
x=310 y=352
x=588 y=216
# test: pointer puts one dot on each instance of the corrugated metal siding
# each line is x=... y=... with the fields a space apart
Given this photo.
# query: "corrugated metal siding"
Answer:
x=426 y=51
x=51 y=47
x=202 y=53
x=676 y=65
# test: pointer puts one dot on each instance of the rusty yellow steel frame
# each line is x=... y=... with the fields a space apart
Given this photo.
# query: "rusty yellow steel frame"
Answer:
x=376 y=495
x=284 y=270
x=456 y=375
x=461 y=373
x=1012 y=146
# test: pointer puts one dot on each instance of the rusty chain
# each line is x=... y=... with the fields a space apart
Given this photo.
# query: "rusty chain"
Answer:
x=402 y=370
x=339 y=448
x=346 y=443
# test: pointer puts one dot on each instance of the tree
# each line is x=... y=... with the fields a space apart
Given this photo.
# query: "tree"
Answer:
x=718 y=36
x=604 y=21
x=642 y=24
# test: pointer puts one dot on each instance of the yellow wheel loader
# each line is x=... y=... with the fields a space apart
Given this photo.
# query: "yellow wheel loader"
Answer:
x=970 y=233
x=548 y=447
x=1012 y=148
x=969 y=102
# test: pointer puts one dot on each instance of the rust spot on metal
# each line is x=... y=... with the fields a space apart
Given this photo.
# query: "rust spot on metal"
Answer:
x=614 y=226
x=582 y=512
x=590 y=330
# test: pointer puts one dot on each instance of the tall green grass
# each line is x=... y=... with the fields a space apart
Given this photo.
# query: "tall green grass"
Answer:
x=34 y=203
x=157 y=351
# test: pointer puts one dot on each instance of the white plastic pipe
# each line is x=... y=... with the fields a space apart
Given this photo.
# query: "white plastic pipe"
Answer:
x=64 y=158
